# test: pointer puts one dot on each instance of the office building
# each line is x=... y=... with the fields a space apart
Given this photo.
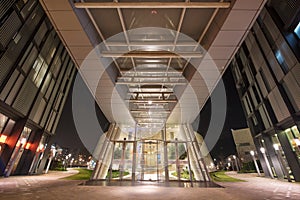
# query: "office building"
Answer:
x=267 y=72
x=244 y=144
x=35 y=76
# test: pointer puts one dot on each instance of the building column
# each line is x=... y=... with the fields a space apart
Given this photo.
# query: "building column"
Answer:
x=28 y=154
x=11 y=141
x=43 y=161
x=261 y=158
x=275 y=163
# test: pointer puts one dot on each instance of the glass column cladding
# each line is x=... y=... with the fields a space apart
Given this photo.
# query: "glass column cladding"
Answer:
x=18 y=151
x=171 y=154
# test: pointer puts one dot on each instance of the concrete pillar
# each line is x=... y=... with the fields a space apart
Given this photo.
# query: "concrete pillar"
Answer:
x=261 y=158
x=275 y=163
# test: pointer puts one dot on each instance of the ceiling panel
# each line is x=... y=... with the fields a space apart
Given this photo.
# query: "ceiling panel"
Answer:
x=164 y=18
x=108 y=21
x=195 y=21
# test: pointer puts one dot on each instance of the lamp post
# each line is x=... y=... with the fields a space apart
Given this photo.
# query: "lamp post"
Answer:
x=255 y=162
x=263 y=151
x=280 y=158
x=236 y=164
x=51 y=156
x=229 y=160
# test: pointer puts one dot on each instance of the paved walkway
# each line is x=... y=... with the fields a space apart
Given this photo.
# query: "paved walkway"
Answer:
x=261 y=187
x=50 y=187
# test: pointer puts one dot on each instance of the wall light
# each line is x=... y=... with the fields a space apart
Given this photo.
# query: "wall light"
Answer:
x=27 y=146
x=297 y=141
x=276 y=147
x=3 y=138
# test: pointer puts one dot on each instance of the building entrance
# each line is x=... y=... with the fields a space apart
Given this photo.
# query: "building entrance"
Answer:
x=150 y=162
x=168 y=155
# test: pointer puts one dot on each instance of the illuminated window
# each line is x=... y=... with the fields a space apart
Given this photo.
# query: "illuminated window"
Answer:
x=297 y=30
x=39 y=71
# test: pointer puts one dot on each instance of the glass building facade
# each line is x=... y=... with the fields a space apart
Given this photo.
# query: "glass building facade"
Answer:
x=174 y=153
x=36 y=72
x=266 y=70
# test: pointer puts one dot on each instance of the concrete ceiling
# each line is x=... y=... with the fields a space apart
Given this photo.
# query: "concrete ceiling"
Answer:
x=152 y=75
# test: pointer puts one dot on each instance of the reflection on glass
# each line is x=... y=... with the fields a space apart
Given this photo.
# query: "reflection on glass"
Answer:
x=20 y=146
x=3 y=120
x=294 y=137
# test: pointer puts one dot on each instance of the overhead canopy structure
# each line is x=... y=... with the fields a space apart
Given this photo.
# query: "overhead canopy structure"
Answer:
x=218 y=26
x=151 y=65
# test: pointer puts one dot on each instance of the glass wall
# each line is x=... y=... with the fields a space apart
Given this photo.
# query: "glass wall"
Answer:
x=294 y=139
x=147 y=157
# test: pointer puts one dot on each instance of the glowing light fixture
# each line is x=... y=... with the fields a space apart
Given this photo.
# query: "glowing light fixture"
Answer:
x=3 y=138
x=27 y=146
x=276 y=147
x=297 y=141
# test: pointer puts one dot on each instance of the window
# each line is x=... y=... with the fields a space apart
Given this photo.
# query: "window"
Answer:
x=281 y=61
x=294 y=139
x=39 y=71
x=244 y=144
x=297 y=30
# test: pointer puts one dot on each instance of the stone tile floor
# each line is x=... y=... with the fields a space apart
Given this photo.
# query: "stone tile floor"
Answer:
x=50 y=186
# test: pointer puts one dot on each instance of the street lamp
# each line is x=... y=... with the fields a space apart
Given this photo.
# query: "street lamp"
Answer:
x=255 y=162
x=280 y=158
x=263 y=151
x=229 y=160
x=236 y=164
x=51 y=156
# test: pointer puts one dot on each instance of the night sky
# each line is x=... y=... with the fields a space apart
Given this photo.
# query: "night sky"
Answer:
x=235 y=119
x=66 y=134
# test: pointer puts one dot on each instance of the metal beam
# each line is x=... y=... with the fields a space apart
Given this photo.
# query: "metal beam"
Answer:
x=150 y=54
x=150 y=77
x=149 y=123
x=150 y=83
x=148 y=5
x=151 y=43
x=152 y=71
x=150 y=93
x=151 y=118
x=150 y=110
x=147 y=101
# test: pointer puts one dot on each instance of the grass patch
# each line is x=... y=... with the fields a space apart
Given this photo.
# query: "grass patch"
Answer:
x=84 y=174
x=116 y=174
x=184 y=175
x=59 y=169
x=220 y=176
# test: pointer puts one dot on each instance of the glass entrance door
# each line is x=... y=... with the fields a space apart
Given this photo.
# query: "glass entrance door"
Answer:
x=149 y=165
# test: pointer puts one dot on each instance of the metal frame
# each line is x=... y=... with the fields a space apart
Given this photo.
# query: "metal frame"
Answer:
x=168 y=5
